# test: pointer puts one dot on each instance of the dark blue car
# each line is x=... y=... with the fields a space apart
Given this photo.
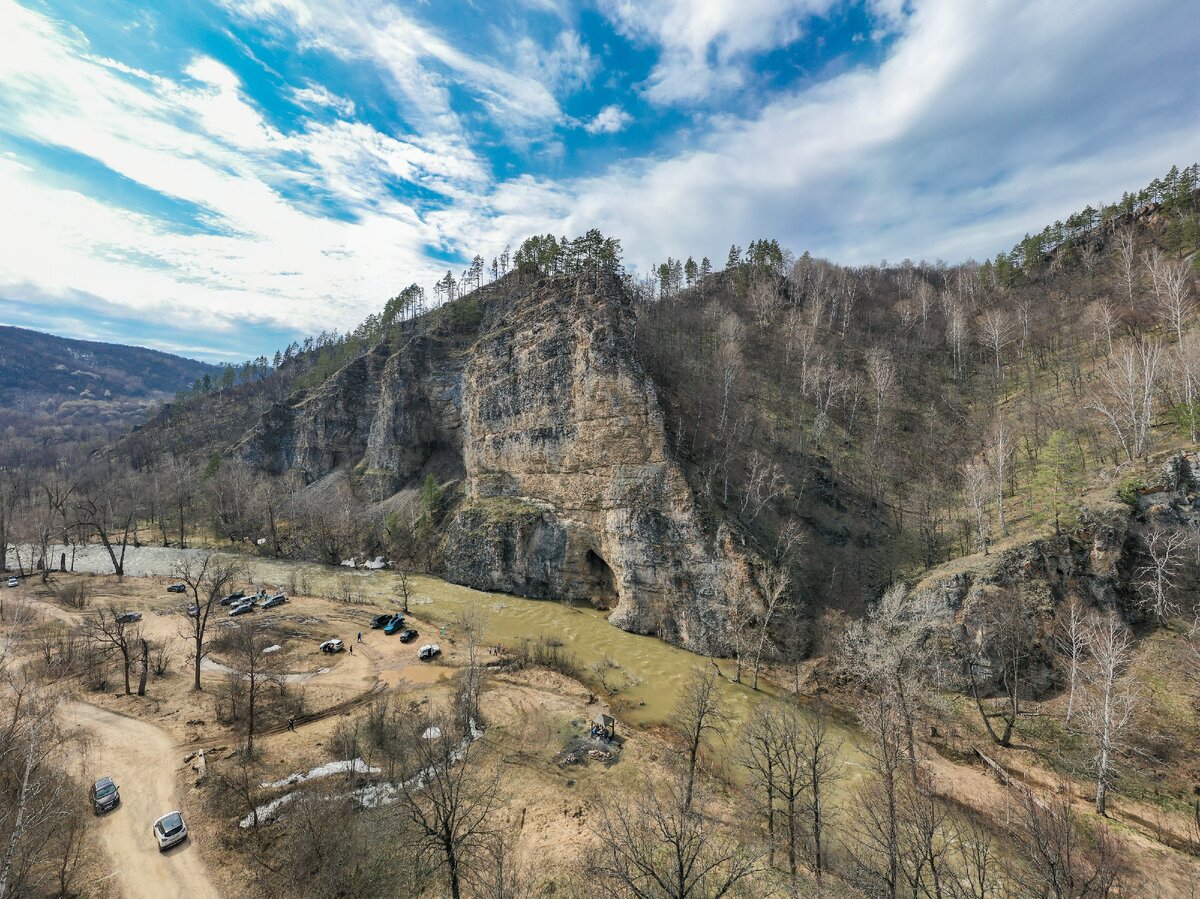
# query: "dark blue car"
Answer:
x=394 y=625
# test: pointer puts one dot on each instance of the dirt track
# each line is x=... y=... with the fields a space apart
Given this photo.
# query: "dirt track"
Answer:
x=142 y=760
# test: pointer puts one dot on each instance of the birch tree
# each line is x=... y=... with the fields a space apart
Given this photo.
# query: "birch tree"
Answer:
x=881 y=372
x=999 y=454
x=977 y=487
x=1157 y=577
x=1109 y=701
x=1071 y=640
x=996 y=330
x=1125 y=398
x=1185 y=372
x=1175 y=296
x=1105 y=318
x=1125 y=259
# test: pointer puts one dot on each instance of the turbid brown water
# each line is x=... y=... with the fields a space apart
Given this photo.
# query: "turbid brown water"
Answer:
x=646 y=673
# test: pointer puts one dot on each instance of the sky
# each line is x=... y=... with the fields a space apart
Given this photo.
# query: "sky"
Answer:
x=216 y=178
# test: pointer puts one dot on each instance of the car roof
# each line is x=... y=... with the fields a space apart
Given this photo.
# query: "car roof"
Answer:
x=168 y=815
x=103 y=781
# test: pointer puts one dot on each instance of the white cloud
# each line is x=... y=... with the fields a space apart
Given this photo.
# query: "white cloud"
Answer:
x=414 y=56
x=609 y=120
x=317 y=96
x=985 y=121
x=704 y=43
x=262 y=253
x=566 y=65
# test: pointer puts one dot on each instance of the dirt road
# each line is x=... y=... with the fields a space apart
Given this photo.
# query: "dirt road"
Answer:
x=142 y=760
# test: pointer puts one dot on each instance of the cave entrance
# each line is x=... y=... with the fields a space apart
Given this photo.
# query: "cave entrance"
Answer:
x=602 y=584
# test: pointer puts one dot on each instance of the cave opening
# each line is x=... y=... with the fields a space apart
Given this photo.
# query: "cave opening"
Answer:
x=602 y=583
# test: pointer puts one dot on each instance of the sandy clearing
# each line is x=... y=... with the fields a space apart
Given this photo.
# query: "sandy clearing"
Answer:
x=142 y=760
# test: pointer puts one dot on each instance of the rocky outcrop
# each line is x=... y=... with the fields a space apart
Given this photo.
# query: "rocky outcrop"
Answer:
x=1100 y=561
x=569 y=490
x=317 y=433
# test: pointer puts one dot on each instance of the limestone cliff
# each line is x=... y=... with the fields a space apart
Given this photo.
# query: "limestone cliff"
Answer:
x=1098 y=561
x=569 y=489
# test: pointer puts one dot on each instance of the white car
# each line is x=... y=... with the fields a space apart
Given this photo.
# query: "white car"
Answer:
x=428 y=651
x=13 y=582
x=334 y=645
x=170 y=831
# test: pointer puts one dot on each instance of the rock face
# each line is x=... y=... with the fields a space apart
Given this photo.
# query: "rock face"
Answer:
x=569 y=487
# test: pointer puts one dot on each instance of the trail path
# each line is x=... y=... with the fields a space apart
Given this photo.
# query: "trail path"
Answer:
x=142 y=760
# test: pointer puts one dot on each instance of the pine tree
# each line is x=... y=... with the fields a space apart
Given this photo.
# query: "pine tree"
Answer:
x=1057 y=477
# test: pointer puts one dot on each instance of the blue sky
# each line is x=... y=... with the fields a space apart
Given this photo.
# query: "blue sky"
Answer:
x=217 y=177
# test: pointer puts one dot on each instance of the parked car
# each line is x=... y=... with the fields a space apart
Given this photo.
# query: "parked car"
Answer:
x=129 y=617
x=428 y=651
x=177 y=588
x=233 y=597
x=380 y=620
x=193 y=611
x=170 y=831
x=13 y=582
x=241 y=610
x=277 y=600
x=408 y=635
x=395 y=625
x=334 y=645
x=105 y=795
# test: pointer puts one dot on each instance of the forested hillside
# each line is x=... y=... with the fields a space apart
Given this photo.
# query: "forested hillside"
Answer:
x=78 y=392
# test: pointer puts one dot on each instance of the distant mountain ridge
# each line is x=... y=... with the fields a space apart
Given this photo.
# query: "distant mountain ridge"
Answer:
x=63 y=397
x=35 y=365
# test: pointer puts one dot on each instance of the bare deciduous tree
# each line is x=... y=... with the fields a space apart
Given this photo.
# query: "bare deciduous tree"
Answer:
x=1070 y=638
x=1004 y=645
x=1062 y=862
x=663 y=845
x=996 y=329
x=977 y=487
x=1105 y=318
x=448 y=797
x=1108 y=699
x=110 y=628
x=1126 y=396
x=777 y=584
x=206 y=579
x=1156 y=578
x=1125 y=257
x=820 y=754
x=698 y=713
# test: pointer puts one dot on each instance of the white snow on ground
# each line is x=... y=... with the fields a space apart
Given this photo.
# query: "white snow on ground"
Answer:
x=432 y=733
x=358 y=766
x=267 y=811
x=274 y=648
x=371 y=796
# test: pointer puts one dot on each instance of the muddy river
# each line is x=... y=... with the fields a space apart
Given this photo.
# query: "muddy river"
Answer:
x=645 y=672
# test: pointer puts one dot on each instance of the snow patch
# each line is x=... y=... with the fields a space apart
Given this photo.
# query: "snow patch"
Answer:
x=358 y=766
x=274 y=648
x=370 y=796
